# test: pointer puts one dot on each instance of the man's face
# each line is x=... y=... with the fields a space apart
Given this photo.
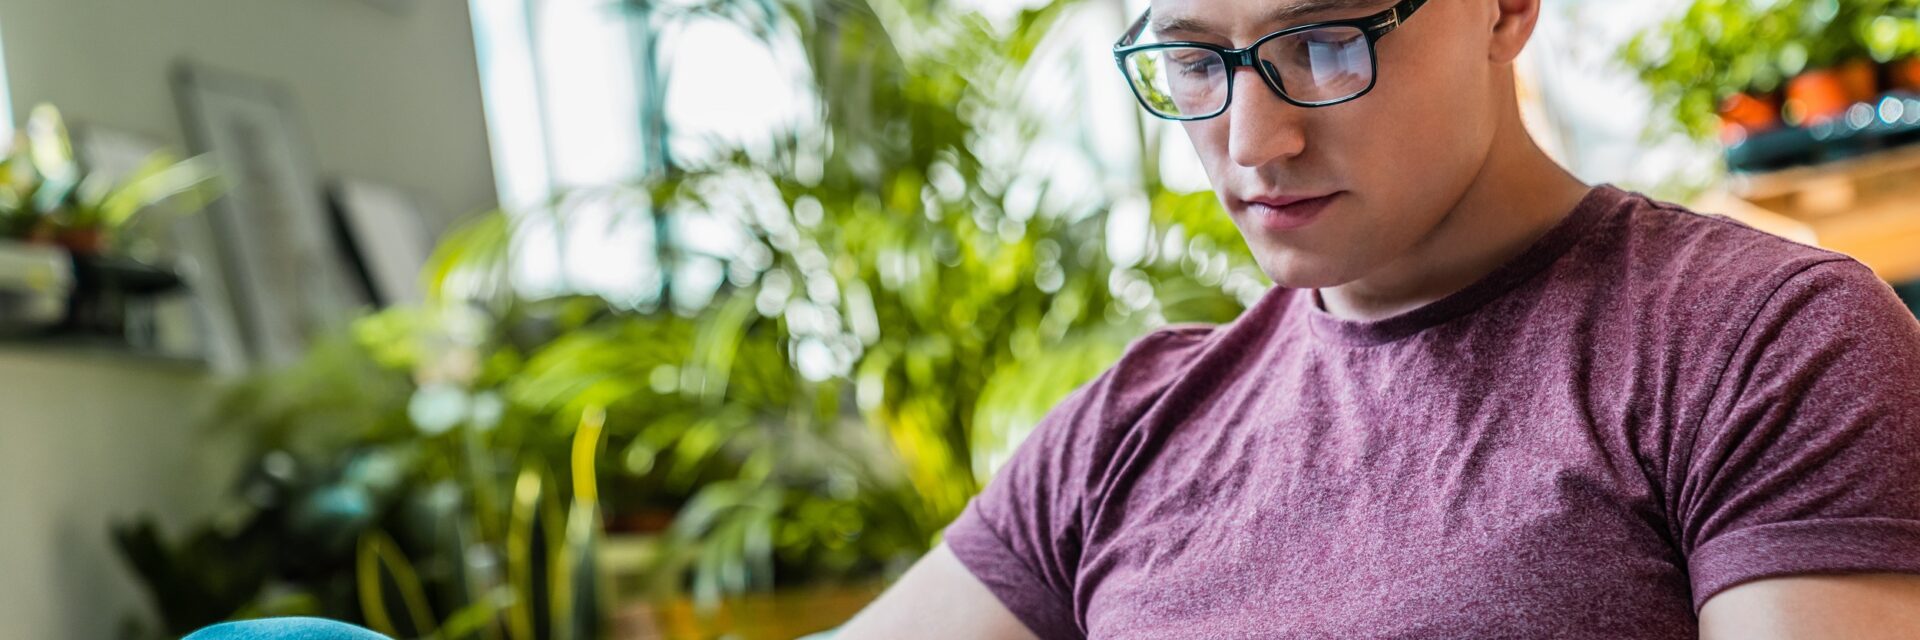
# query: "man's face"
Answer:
x=1393 y=160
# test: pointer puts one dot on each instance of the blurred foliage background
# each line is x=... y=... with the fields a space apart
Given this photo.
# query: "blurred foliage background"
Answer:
x=904 y=310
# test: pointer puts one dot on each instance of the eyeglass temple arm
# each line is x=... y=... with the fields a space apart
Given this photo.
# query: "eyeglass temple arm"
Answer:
x=1394 y=15
x=1133 y=32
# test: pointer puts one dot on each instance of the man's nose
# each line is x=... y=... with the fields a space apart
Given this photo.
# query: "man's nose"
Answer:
x=1262 y=127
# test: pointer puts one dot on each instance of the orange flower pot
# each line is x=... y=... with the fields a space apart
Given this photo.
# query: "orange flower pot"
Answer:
x=1742 y=115
x=88 y=241
x=1905 y=74
x=1817 y=96
x=1859 y=78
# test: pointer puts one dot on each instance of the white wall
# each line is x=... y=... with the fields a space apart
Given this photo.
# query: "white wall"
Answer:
x=388 y=96
x=87 y=439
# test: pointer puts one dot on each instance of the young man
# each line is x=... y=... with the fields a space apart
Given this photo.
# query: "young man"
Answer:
x=1485 y=400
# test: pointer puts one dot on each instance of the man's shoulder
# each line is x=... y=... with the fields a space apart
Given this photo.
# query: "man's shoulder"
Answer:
x=1706 y=243
x=1085 y=428
x=1156 y=360
x=1686 y=257
x=1690 y=282
x=1172 y=343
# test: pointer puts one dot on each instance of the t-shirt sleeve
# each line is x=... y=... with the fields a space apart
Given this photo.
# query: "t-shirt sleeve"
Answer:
x=1808 y=458
x=1022 y=535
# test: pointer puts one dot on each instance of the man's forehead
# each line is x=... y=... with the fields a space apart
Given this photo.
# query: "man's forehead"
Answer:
x=1222 y=17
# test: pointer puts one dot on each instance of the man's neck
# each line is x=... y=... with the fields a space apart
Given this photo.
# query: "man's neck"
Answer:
x=1519 y=195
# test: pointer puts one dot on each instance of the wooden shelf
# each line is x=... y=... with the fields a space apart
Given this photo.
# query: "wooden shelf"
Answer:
x=1867 y=207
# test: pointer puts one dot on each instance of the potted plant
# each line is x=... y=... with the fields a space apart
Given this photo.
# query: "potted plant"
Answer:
x=46 y=197
x=1720 y=61
x=1742 y=114
x=1824 y=94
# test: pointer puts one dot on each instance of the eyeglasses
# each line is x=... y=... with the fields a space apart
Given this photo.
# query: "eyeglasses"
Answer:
x=1313 y=65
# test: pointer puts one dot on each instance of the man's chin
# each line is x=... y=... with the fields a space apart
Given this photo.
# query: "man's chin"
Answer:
x=1296 y=270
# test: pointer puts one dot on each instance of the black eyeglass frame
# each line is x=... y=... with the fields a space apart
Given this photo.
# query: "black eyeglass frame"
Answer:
x=1373 y=27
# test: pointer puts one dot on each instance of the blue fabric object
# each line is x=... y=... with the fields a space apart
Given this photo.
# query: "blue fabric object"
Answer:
x=285 y=629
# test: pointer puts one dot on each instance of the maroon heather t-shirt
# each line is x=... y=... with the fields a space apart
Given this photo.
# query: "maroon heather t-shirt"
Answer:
x=1646 y=407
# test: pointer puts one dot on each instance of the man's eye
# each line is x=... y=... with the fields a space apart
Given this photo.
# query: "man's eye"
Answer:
x=1331 y=36
x=1197 y=65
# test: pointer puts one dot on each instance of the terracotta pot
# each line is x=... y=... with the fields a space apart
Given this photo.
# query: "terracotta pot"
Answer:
x=1743 y=114
x=1860 y=79
x=1817 y=96
x=1905 y=74
x=90 y=241
x=86 y=241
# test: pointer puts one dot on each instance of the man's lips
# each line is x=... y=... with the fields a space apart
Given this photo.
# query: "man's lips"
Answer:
x=1284 y=200
x=1285 y=212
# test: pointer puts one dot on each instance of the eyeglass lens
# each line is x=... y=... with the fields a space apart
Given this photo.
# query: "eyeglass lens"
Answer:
x=1316 y=66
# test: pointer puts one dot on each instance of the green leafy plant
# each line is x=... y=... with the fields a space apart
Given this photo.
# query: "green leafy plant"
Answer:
x=906 y=302
x=930 y=288
x=394 y=487
x=46 y=196
x=1716 y=49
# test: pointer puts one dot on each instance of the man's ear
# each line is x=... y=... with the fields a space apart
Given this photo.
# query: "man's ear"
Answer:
x=1512 y=26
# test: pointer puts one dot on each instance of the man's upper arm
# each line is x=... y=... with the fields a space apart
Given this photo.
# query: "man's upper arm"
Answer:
x=1865 y=606
x=1798 y=501
x=938 y=598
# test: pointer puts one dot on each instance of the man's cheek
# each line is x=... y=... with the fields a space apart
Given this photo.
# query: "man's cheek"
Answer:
x=1209 y=142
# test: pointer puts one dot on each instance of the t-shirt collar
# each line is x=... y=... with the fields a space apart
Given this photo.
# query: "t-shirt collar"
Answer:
x=1543 y=252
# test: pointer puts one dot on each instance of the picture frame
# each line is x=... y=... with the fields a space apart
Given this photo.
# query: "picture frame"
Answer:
x=382 y=228
x=284 y=268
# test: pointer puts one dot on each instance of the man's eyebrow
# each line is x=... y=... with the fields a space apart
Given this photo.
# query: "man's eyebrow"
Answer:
x=1285 y=14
